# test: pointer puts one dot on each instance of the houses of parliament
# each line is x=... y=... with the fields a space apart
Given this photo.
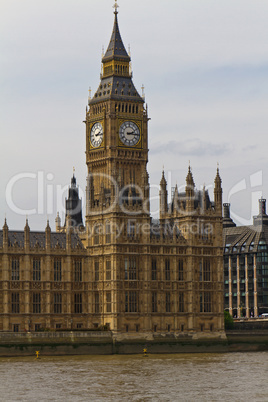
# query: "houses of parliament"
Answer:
x=117 y=268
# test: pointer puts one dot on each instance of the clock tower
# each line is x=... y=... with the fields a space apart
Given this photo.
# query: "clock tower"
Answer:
x=116 y=140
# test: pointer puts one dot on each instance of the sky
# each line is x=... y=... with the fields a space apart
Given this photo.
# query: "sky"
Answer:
x=204 y=65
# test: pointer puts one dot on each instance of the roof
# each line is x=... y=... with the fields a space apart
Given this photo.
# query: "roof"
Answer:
x=245 y=237
x=116 y=48
x=39 y=239
x=116 y=88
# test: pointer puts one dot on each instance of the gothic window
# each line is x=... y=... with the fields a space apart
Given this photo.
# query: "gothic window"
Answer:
x=167 y=270
x=15 y=269
x=57 y=303
x=97 y=271
x=96 y=234
x=78 y=270
x=36 y=269
x=131 y=302
x=168 y=304
x=78 y=303
x=204 y=270
x=180 y=270
x=108 y=270
x=130 y=269
x=154 y=302
x=97 y=303
x=154 y=270
x=108 y=232
x=36 y=303
x=15 y=303
x=181 y=302
x=131 y=228
x=205 y=302
x=108 y=302
x=57 y=269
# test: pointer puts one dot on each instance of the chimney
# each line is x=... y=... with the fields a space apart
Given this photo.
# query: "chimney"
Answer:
x=226 y=211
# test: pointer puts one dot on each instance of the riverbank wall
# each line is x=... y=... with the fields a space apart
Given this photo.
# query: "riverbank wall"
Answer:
x=107 y=343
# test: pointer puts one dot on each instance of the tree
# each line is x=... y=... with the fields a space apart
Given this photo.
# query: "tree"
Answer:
x=228 y=320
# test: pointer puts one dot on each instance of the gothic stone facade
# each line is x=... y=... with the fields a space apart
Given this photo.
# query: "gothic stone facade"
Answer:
x=123 y=270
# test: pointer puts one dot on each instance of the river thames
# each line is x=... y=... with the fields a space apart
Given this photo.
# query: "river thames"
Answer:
x=184 y=377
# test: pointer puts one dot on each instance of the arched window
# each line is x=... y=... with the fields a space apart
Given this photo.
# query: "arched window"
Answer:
x=96 y=234
x=108 y=232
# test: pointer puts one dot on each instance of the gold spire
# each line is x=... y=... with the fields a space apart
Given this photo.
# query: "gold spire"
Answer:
x=116 y=6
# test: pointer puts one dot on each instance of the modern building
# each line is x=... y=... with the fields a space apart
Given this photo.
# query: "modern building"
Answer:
x=124 y=270
x=246 y=264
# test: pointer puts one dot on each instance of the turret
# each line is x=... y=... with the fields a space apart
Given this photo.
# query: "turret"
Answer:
x=5 y=236
x=48 y=237
x=58 y=222
x=189 y=190
x=163 y=195
x=218 y=193
x=27 y=236
x=74 y=205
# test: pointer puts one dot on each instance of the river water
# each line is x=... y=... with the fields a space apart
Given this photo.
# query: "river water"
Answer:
x=184 y=377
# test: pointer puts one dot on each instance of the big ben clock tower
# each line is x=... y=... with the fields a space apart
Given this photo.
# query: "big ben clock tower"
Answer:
x=116 y=140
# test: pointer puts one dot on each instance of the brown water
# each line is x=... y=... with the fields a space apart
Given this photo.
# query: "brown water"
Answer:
x=185 y=377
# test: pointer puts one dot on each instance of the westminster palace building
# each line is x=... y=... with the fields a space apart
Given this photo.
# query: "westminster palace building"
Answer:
x=117 y=268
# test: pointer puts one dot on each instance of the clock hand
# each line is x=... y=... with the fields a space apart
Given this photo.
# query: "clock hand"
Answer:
x=132 y=132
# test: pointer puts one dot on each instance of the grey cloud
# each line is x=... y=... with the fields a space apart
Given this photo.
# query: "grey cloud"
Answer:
x=192 y=147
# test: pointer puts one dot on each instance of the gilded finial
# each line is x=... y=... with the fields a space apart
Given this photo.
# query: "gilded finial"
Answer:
x=73 y=170
x=116 y=6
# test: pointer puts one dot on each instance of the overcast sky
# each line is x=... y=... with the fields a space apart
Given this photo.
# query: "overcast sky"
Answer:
x=204 y=65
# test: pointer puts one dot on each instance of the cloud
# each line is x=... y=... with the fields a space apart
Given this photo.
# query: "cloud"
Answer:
x=192 y=147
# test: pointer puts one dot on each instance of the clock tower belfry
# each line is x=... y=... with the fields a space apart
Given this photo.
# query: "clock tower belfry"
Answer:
x=116 y=139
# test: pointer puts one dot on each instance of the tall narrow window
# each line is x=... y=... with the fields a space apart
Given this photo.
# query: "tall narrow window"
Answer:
x=154 y=302
x=36 y=269
x=78 y=270
x=15 y=269
x=15 y=303
x=57 y=303
x=180 y=270
x=167 y=270
x=205 y=270
x=96 y=234
x=57 y=269
x=78 y=303
x=108 y=232
x=130 y=269
x=108 y=302
x=97 y=303
x=108 y=270
x=154 y=270
x=205 y=302
x=168 y=306
x=36 y=303
x=131 y=302
x=181 y=302
x=97 y=271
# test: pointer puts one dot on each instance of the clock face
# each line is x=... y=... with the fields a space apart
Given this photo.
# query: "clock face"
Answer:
x=96 y=135
x=129 y=133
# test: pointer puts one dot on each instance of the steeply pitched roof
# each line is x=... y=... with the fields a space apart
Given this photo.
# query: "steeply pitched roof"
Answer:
x=116 y=48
